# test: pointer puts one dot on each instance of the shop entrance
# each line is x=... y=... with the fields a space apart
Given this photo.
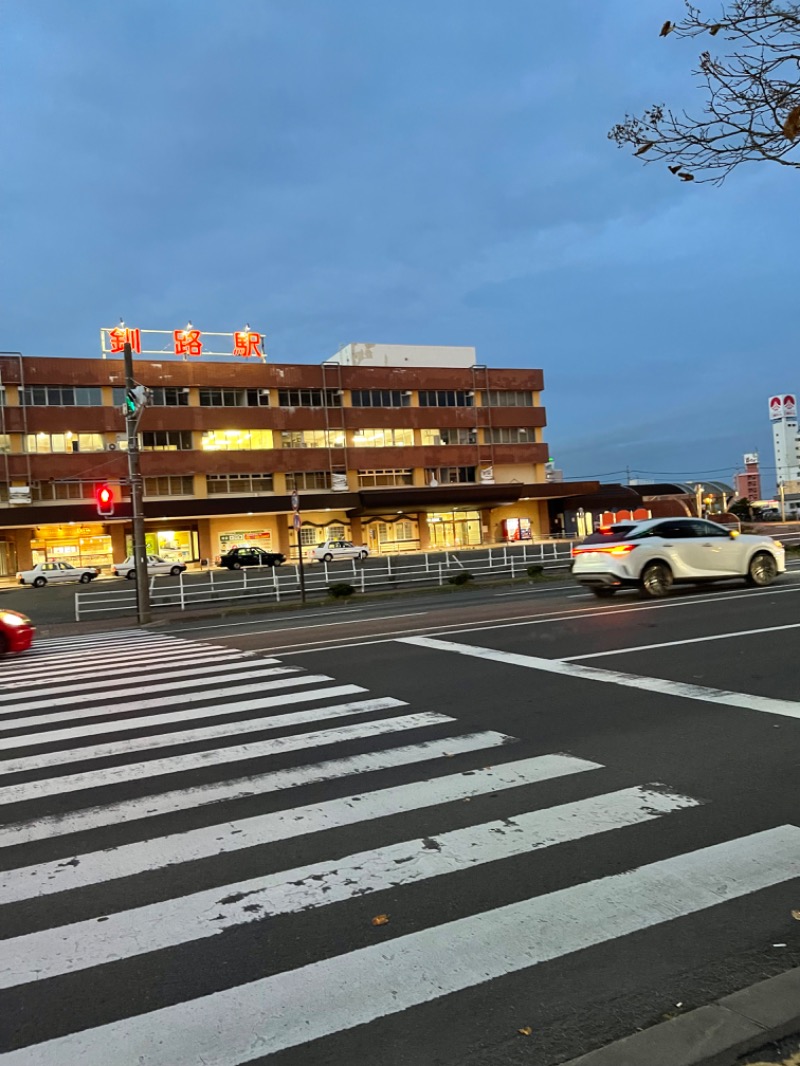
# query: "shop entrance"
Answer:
x=81 y=548
x=455 y=529
x=176 y=545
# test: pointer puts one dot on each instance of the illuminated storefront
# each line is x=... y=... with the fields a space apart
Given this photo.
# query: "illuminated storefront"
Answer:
x=78 y=545
x=178 y=545
x=455 y=529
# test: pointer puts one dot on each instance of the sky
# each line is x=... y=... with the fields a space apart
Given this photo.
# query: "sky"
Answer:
x=429 y=172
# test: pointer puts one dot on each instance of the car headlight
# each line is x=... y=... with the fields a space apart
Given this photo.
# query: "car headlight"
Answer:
x=11 y=618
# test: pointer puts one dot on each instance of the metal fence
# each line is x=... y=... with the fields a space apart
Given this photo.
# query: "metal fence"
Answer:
x=280 y=584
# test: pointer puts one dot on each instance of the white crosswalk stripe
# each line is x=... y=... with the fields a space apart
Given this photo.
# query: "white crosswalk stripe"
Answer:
x=152 y=815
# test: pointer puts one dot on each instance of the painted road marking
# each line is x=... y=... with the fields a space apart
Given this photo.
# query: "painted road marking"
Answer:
x=184 y=799
x=226 y=696
x=248 y=1022
x=67 y=949
x=114 y=775
x=677 y=643
x=786 y=708
x=454 y=628
x=100 y=665
x=293 y=629
x=132 y=745
x=210 y=667
x=159 y=852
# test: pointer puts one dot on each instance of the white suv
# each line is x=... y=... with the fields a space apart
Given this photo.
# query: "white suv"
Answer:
x=329 y=550
x=652 y=555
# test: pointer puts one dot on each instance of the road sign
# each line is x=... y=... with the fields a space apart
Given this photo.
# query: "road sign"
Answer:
x=295 y=502
x=297 y=521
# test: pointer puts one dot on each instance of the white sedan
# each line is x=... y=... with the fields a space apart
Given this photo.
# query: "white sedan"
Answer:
x=329 y=550
x=654 y=555
x=56 y=574
x=155 y=565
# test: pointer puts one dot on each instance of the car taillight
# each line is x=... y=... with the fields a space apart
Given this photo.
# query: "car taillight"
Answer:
x=606 y=549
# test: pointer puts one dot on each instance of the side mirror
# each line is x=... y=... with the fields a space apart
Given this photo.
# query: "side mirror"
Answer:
x=733 y=533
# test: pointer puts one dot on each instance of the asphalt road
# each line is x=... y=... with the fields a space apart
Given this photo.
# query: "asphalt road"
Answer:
x=575 y=818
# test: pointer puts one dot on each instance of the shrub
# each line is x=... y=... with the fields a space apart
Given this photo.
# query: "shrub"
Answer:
x=463 y=577
x=340 y=590
x=535 y=570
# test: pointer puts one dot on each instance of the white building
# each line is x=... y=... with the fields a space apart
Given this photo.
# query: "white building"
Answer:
x=416 y=355
x=785 y=439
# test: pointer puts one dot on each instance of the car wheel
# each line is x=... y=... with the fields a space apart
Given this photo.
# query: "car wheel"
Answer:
x=602 y=592
x=762 y=570
x=85 y=579
x=131 y=575
x=327 y=558
x=176 y=570
x=278 y=562
x=656 y=580
x=236 y=565
x=38 y=582
x=363 y=555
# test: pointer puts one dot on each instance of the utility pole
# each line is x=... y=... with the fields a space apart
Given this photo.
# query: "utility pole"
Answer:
x=782 y=494
x=698 y=496
x=135 y=400
x=297 y=523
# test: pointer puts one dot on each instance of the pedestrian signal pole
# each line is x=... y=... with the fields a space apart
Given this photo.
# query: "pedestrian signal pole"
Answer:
x=297 y=522
x=136 y=397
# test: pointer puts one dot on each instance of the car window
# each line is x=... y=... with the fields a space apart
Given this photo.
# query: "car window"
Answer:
x=709 y=529
x=48 y=566
x=65 y=566
x=673 y=530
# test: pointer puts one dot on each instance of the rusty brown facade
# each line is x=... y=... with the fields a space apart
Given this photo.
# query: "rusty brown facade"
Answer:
x=313 y=434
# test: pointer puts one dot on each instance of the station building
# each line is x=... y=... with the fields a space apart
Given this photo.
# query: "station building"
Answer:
x=397 y=447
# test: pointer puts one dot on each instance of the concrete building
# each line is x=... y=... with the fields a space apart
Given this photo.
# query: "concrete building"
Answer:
x=400 y=457
x=748 y=484
x=785 y=440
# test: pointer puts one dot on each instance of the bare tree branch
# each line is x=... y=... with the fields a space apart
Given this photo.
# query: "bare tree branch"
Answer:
x=752 y=108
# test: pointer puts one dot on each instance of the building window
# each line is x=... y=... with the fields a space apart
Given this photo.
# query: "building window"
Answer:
x=510 y=435
x=234 y=397
x=507 y=398
x=438 y=437
x=5 y=443
x=312 y=438
x=380 y=398
x=308 y=480
x=167 y=440
x=43 y=491
x=60 y=396
x=169 y=486
x=383 y=438
x=64 y=442
x=446 y=398
x=309 y=398
x=450 y=475
x=168 y=396
x=373 y=479
x=236 y=440
x=309 y=536
x=238 y=484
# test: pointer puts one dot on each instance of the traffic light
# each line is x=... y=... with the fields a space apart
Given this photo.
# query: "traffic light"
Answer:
x=136 y=398
x=104 y=496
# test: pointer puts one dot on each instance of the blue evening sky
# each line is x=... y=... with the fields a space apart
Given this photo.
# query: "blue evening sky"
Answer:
x=425 y=172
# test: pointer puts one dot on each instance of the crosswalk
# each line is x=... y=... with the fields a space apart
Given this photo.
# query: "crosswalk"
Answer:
x=173 y=814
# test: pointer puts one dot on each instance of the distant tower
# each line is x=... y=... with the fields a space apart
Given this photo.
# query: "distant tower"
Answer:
x=748 y=484
x=783 y=416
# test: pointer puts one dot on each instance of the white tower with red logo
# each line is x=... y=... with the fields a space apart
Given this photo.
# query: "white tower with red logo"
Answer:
x=783 y=416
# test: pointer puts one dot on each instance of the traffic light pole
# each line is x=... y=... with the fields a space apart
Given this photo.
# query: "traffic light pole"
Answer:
x=135 y=477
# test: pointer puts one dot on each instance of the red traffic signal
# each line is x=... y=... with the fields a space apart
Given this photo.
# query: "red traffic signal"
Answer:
x=104 y=497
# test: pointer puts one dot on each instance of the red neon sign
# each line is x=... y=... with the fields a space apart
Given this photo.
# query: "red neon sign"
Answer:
x=187 y=342
x=119 y=336
x=247 y=343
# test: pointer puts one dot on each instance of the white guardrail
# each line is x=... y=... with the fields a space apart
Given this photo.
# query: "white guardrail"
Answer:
x=276 y=584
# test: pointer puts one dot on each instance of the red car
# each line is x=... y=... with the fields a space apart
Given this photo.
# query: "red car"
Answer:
x=16 y=632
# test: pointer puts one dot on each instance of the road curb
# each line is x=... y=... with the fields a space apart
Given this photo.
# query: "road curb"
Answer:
x=714 y=1035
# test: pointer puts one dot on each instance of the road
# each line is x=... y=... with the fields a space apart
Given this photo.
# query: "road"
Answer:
x=501 y=829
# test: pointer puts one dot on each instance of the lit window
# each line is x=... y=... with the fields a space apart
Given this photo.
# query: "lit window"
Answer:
x=236 y=440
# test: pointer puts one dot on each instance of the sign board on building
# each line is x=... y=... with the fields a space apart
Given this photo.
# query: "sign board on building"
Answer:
x=487 y=475
x=188 y=342
x=751 y=459
x=784 y=406
x=19 y=494
x=339 y=483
